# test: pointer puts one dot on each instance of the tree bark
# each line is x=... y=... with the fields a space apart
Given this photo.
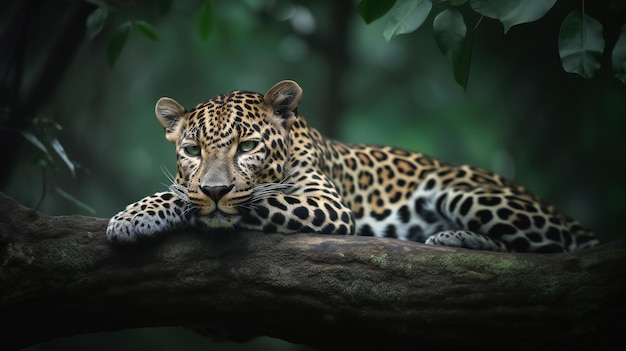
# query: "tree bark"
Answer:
x=59 y=276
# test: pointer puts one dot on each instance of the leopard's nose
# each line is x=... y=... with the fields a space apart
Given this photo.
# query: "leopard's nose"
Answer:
x=215 y=192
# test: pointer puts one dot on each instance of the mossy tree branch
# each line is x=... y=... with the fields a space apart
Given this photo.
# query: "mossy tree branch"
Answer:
x=59 y=276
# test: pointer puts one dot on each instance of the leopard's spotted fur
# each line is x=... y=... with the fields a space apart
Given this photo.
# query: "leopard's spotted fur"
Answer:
x=250 y=161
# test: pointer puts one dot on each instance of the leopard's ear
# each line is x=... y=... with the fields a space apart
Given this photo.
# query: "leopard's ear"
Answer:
x=284 y=98
x=170 y=114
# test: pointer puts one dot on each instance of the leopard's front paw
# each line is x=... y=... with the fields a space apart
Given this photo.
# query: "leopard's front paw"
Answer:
x=126 y=228
x=152 y=215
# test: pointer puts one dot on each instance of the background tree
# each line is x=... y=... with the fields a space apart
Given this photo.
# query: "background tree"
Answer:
x=97 y=68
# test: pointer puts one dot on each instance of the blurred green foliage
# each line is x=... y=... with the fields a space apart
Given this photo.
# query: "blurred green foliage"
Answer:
x=521 y=114
x=581 y=42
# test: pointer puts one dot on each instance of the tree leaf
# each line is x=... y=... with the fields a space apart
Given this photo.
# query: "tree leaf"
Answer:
x=46 y=124
x=405 y=17
x=147 y=30
x=32 y=138
x=118 y=40
x=371 y=10
x=513 y=12
x=58 y=148
x=463 y=62
x=580 y=44
x=75 y=201
x=619 y=56
x=95 y=22
x=206 y=19
x=451 y=37
x=450 y=31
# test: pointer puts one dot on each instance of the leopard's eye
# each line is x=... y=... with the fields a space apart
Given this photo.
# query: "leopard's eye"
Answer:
x=192 y=150
x=247 y=146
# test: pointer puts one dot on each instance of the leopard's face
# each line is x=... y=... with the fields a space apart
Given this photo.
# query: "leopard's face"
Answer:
x=226 y=148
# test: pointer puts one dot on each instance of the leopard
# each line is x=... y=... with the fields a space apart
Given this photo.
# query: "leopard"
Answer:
x=250 y=161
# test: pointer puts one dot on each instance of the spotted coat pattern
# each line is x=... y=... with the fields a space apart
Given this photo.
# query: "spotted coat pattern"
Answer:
x=250 y=161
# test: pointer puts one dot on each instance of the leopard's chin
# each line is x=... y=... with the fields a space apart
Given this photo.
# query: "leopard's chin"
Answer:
x=218 y=220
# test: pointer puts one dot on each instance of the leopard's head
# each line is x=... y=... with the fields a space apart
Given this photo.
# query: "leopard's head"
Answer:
x=229 y=146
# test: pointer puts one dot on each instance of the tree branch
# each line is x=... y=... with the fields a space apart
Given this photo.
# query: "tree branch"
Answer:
x=59 y=276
